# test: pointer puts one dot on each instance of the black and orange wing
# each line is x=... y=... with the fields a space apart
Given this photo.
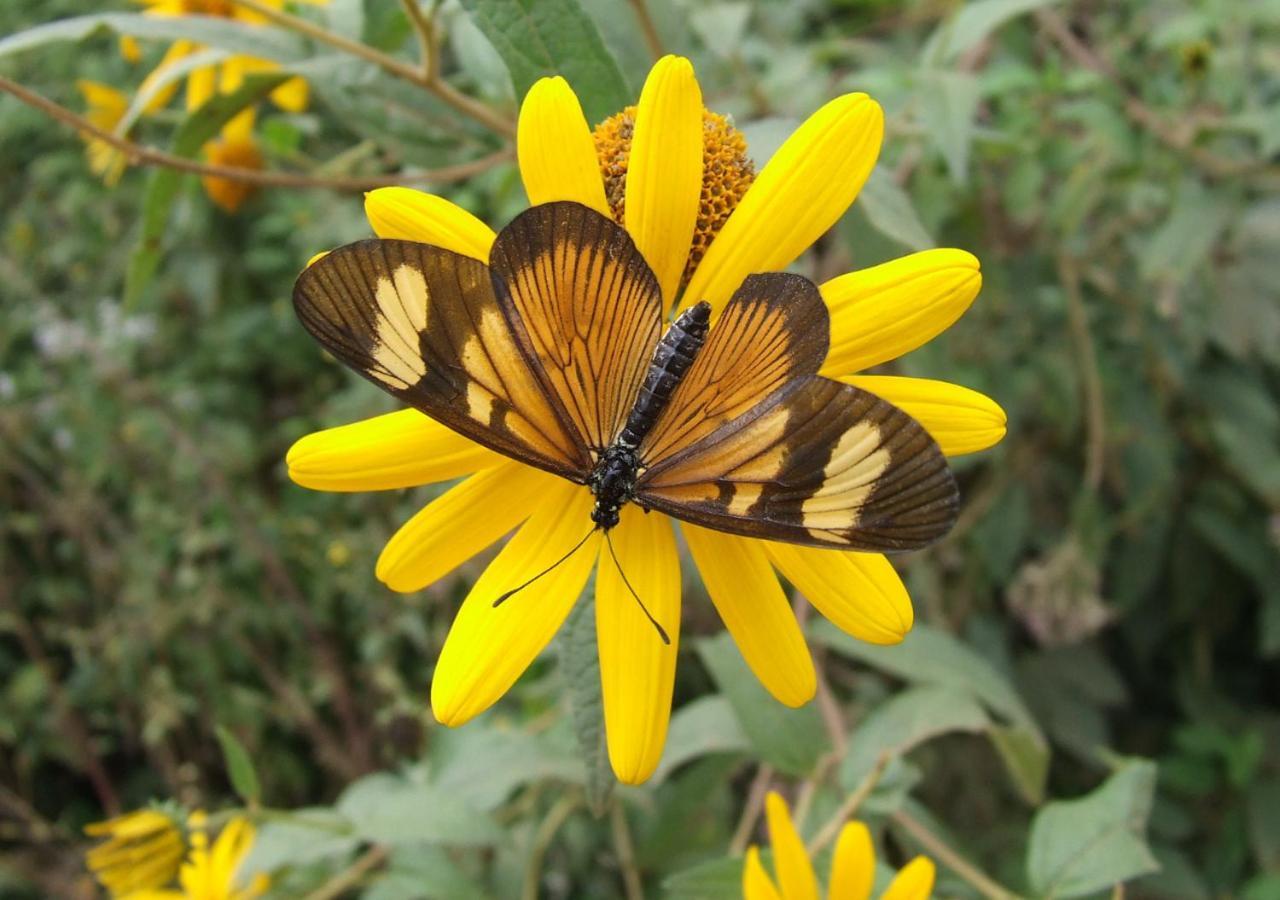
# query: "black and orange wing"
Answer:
x=427 y=325
x=590 y=310
x=755 y=443
x=538 y=357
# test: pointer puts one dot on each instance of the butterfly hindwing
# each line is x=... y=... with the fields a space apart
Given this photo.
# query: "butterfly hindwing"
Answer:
x=430 y=326
x=590 y=307
x=766 y=448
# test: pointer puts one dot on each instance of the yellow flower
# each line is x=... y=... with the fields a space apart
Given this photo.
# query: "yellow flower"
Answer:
x=210 y=872
x=224 y=77
x=107 y=107
x=237 y=147
x=680 y=173
x=142 y=850
x=853 y=866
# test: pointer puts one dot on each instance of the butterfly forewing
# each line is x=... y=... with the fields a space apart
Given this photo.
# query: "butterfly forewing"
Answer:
x=590 y=308
x=431 y=327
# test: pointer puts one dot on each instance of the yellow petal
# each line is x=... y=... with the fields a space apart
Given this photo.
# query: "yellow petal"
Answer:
x=177 y=51
x=637 y=670
x=859 y=592
x=460 y=523
x=231 y=74
x=129 y=48
x=555 y=149
x=790 y=859
x=959 y=419
x=106 y=104
x=489 y=647
x=664 y=177
x=200 y=86
x=800 y=193
x=880 y=313
x=853 y=867
x=291 y=96
x=315 y=259
x=230 y=848
x=410 y=215
x=754 y=609
x=914 y=881
x=396 y=450
x=756 y=884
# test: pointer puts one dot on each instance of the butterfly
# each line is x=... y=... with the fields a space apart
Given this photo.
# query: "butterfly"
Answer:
x=554 y=354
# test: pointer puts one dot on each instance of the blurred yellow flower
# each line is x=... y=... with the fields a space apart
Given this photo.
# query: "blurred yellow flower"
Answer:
x=675 y=176
x=853 y=866
x=237 y=147
x=106 y=108
x=142 y=850
x=209 y=873
x=224 y=77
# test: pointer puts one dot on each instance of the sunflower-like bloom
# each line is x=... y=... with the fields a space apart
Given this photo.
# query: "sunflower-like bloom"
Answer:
x=209 y=873
x=224 y=77
x=853 y=866
x=235 y=146
x=684 y=186
x=142 y=851
x=107 y=107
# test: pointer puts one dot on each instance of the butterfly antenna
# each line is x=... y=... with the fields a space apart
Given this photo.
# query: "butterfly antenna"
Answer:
x=557 y=563
x=661 y=632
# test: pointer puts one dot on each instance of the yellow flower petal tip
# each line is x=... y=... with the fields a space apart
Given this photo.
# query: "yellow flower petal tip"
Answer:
x=853 y=865
x=411 y=215
x=805 y=187
x=554 y=147
x=961 y=420
x=860 y=593
x=795 y=873
x=914 y=881
x=880 y=313
x=397 y=450
x=756 y=883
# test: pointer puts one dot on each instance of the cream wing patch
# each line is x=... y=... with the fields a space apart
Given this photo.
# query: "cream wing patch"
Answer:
x=402 y=306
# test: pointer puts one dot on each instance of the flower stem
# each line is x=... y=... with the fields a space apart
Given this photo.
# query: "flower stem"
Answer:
x=968 y=872
x=427 y=77
x=140 y=154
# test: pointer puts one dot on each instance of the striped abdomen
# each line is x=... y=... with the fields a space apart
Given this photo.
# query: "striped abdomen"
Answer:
x=671 y=359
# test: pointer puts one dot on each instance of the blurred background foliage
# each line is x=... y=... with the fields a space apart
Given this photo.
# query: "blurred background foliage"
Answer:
x=1107 y=611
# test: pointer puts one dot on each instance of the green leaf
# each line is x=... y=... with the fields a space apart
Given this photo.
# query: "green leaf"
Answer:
x=930 y=656
x=162 y=189
x=423 y=872
x=244 y=780
x=161 y=79
x=260 y=41
x=553 y=37
x=717 y=879
x=707 y=725
x=1026 y=758
x=948 y=103
x=791 y=740
x=1178 y=247
x=903 y=722
x=580 y=669
x=1078 y=847
x=971 y=24
x=297 y=838
x=388 y=809
x=890 y=211
x=483 y=764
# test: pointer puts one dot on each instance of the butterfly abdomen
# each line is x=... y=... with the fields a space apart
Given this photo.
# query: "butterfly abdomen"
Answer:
x=671 y=359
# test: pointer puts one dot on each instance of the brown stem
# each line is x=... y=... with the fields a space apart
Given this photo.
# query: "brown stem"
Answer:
x=832 y=826
x=427 y=78
x=751 y=809
x=1095 y=412
x=625 y=848
x=648 y=29
x=140 y=154
x=351 y=876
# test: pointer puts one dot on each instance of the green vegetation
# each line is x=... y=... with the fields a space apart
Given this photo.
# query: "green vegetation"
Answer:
x=1090 y=693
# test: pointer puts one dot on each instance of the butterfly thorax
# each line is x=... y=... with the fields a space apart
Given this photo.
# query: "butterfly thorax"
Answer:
x=613 y=480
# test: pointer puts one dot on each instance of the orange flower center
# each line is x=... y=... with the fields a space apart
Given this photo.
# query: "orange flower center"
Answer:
x=220 y=8
x=727 y=172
